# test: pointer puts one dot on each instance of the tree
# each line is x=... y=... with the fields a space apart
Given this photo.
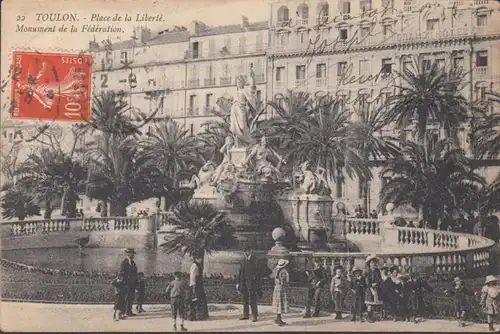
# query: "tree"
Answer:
x=51 y=175
x=319 y=133
x=485 y=125
x=206 y=230
x=368 y=139
x=17 y=204
x=173 y=154
x=435 y=180
x=427 y=96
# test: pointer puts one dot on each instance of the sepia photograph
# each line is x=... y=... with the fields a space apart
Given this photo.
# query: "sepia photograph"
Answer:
x=249 y=166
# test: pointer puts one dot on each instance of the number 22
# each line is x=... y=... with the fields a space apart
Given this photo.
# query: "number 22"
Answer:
x=20 y=18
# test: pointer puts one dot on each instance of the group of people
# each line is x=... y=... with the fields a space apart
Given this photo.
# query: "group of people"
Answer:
x=384 y=290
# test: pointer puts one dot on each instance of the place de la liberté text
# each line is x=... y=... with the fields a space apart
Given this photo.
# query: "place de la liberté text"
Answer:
x=74 y=23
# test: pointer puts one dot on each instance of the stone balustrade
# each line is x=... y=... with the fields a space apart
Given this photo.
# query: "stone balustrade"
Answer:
x=62 y=232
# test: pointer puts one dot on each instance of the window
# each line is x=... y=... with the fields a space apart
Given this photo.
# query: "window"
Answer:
x=300 y=72
x=210 y=71
x=242 y=44
x=321 y=71
x=342 y=98
x=365 y=5
x=259 y=95
x=407 y=65
x=209 y=100
x=343 y=34
x=482 y=58
x=384 y=98
x=283 y=14
x=386 y=66
x=211 y=48
x=440 y=63
x=361 y=189
x=481 y=93
x=482 y=20
x=303 y=37
x=225 y=70
x=408 y=5
x=191 y=129
x=432 y=24
x=345 y=7
x=227 y=44
x=196 y=50
x=323 y=10
x=364 y=68
x=363 y=102
x=458 y=63
x=387 y=4
x=280 y=74
x=426 y=64
x=341 y=68
x=283 y=39
x=386 y=28
x=192 y=101
x=124 y=55
x=303 y=11
x=364 y=31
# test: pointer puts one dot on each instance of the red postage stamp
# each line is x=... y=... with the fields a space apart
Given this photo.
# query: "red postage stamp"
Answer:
x=51 y=86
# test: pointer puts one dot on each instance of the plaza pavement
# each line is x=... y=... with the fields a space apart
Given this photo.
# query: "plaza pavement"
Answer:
x=36 y=317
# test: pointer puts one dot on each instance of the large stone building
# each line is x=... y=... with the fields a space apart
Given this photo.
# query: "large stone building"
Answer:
x=352 y=49
x=186 y=68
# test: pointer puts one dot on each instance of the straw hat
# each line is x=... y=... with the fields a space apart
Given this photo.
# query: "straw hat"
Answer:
x=130 y=251
x=357 y=269
x=490 y=279
x=282 y=263
x=457 y=279
x=370 y=258
x=338 y=267
x=384 y=267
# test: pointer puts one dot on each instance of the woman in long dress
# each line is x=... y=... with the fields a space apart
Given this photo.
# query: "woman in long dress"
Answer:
x=280 y=300
x=198 y=305
x=373 y=285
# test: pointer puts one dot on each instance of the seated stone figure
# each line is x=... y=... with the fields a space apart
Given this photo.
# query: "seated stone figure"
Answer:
x=204 y=177
x=262 y=167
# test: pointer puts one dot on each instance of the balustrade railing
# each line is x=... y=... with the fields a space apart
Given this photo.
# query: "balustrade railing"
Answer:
x=63 y=225
x=361 y=226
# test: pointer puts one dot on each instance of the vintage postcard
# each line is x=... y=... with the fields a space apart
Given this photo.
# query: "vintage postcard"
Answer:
x=264 y=165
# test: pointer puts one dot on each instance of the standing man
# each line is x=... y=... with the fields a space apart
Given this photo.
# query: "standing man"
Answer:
x=128 y=270
x=316 y=279
x=249 y=284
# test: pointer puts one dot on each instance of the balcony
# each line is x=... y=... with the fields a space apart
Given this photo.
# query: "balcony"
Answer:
x=321 y=82
x=480 y=2
x=302 y=22
x=300 y=83
x=192 y=111
x=260 y=78
x=280 y=84
x=208 y=110
x=194 y=83
x=481 y=72
x=209 y=82
x=225 y=81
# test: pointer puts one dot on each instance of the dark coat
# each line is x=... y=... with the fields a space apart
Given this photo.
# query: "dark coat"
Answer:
x=460 y=294
x=250 y=274
x=373 y=281
x=128 y=270
x=318 y=275
x=417 y=289
x=358 y=287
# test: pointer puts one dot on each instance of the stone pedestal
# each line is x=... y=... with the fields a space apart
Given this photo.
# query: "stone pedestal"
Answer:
x=238 y=156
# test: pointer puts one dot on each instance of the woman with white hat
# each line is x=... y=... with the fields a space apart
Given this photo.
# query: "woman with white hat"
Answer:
x=281 y=280
x=373 y=283
x=489 y=299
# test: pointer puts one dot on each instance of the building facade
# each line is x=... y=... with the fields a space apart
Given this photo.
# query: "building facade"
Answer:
x=181 y=72
x=353 y=49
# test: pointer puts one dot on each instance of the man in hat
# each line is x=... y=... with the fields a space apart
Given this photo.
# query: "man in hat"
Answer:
x=358 y=286
x=316 y=279
x=384 y=291
x=128 y=271
x=249 y=284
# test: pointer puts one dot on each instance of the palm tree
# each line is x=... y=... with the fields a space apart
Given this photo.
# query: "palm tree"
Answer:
x=485 y=134
x=175 y=155
x=319 y=134
x=368 y=139
x=50 y=175
x=206 y=230
x=434 y=180
x=429 y=96
x=214 y=136
x=16 y=203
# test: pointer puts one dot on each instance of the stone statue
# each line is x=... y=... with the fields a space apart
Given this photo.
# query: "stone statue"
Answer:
x=262 y=166
x=239 y=126
x=226 y=160
x=322 y=187
x=307 y=178
x=204 y=177
x=389 y=218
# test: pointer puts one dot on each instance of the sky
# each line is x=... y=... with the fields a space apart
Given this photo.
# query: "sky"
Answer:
x=175 y=12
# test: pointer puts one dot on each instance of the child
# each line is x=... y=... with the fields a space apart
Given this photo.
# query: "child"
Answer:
x=489 y=299
x=384 y=293
x=406 y=293
x=316 y=280
x=120 y=297
x=417 y=303
x=338 y=289
x=141 y=291
x=177 y=291
x=460 y=292
x=358 y=286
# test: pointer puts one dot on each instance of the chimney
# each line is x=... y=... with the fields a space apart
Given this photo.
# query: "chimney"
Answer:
x=93 y=45
x=244 y=21
x=145 y=35
x=196 y=27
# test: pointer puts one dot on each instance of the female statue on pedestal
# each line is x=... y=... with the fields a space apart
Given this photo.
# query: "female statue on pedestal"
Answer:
x=239 y=111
